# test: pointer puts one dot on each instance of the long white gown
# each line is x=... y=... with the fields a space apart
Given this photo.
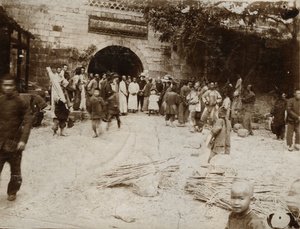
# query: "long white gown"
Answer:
x=123 y=97
x=132 y=100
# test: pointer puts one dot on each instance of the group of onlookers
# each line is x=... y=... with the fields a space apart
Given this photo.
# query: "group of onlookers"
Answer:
x=286 y=112
x=16 y=118
x=85 y=92
x=197 y=103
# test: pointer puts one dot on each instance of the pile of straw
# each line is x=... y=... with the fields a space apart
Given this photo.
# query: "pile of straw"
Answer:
x=127 y=174
x=214 y=189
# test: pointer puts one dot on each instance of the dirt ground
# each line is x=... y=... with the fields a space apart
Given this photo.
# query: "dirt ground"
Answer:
x=60 y=176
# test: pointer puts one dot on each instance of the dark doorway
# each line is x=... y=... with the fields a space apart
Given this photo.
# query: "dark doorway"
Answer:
x=116 y=59
x=4 y=56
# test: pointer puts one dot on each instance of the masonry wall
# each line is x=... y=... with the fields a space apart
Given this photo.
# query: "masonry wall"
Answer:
x=60 y=26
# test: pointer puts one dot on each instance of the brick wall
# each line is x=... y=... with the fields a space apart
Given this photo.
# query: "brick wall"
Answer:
x=61 y=25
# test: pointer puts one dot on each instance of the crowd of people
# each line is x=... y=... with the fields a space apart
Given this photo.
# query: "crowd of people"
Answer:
x=197 y=103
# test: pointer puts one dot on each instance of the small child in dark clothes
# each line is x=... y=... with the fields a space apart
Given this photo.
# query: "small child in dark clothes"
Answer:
x=113 y=108
x=96 y=109
x=61 y=116
x=220 y=132
x=242 y=216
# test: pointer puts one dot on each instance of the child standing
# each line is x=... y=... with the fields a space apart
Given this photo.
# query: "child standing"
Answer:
x=96 y=109
x=220 y=132
x=113 y=108
x=153 y=102
x=242 y=216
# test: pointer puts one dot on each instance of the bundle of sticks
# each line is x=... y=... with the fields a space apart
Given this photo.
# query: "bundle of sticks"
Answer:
x=126 y=174
x=214 y=189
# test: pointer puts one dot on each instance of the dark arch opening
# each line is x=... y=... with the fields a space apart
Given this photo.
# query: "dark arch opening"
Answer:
x=116 y=59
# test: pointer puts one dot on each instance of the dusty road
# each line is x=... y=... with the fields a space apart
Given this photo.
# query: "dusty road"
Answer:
x=60 y=175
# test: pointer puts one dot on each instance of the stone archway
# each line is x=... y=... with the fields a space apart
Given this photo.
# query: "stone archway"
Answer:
x=137 y=56
x=117 y=59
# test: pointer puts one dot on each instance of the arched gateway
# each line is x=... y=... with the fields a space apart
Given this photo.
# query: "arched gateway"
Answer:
x=118 y=56
x=117 y=59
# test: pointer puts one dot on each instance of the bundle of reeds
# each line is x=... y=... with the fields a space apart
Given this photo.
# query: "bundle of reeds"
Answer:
x=214 y=189
x=126 y=174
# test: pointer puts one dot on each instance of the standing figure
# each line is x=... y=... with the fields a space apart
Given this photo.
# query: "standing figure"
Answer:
x=96 y=109
x=113 y=109
x=248 y=101
x=16 y=123
x=115 y=84
x=146 y=91
x=227 y=104
x=123 y=93
x=194 y=106
x=183 y=110
x=159 y=86
x=279 y=113
x=220 y=132
x=239 y=86
x=211 y=99
x=83 y=80
x=65 y=73
x=133 y=89
x=142 y=82
x=293 y=118
x=236 y=105
x=59 y=79
x=74 y=82
x=94 y=84
x=153 y=102
x=171 y=100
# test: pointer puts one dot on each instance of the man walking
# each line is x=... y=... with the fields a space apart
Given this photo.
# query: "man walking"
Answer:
x=16 y=122
x=293 y=118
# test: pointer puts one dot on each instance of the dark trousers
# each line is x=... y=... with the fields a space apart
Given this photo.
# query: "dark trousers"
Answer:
x=247 y=121
x=140 y=99
x=95 y=124
x=146 y=103
x=14 y=160
x=279 y=131
x=110 y=117
x=170 y=117
x=59 y=123
x=291 y=128
x=183 y=113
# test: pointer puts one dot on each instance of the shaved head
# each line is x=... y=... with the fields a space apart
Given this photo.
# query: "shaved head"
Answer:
x=243 y=186
x=241 y=196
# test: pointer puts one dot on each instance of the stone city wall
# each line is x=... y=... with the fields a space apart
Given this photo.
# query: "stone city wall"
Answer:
x=60 y=26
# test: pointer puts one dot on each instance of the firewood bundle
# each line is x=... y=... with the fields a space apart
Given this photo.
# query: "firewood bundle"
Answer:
x=214 y=189
x=127 y=174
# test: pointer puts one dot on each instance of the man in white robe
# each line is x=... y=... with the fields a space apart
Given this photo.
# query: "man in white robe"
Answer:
x=123 y=96
x=133 y=89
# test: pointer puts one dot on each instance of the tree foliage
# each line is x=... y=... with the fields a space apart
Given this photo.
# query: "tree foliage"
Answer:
x=198 y=29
